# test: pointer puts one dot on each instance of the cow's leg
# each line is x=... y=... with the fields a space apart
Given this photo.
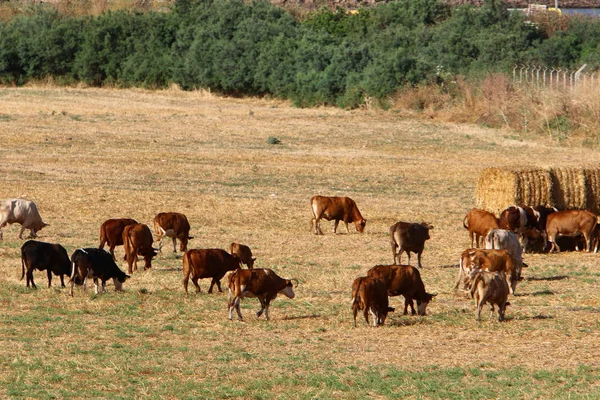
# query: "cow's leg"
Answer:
x=408 y=301
x=30 y=277
x=471 y=236
x=408 y=254
x=96 y=285
x=511 y=285
x=460 y=272
x=419 y=259
x=21 y=231
x=72 y=285
x=262 y=306
x=104 y=286
x=374 y=316
x=85 y=284
x=174 y=244
x=195 y=282
x=354 y=312
x=49 y=277
x=366 y=315
x=479 y=307
x=33 y=233
x=267 y=303
x=335 y=225
x=218 y=282
x=112 y=251
x=62 y=280
x=501 y=310
x=347 y=229
x=237 y=308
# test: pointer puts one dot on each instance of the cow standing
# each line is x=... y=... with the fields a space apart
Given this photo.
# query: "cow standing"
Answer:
x=44 y=256
x=501 y=239
x=174 y=225
x=19 y=211
x=479 y=223
x=489 y=260
x=111 y=232
x=408 y=237
x=338 y=209
x=489 y=287
x=137 y=240
x=244 y=253
x=207 y=263
x=263 y=284
x=571 y=223
x=96 y=264
x=370 y=295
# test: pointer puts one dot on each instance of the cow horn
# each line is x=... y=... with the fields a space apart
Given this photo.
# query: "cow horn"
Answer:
x=295 y=280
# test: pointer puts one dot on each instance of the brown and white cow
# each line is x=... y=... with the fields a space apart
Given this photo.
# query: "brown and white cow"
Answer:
x=111 y=232
x=489 y=287
x=137 y=240
x=502 y=239
x=513 y=219
x=535 y=226
x=97 y=264
x=406 y=281
x=243 y=252
x=370 y=295
x=51 y=257
x=571 y=223
x=19 y=211
x=479 y=222
x=174 y=225
x=207 y=263
x=489 y=260
x=263 y=284
x=408 y=237
x=338 y=209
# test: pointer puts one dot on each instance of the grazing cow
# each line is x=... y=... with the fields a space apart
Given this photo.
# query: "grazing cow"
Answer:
x=111 y=232
x=489 y=260
x=571 y=223
x=404 y=280
x=261 y=283
x=479 y=223
x=244 y=253
x=370 y=294
x=207 y=263
x=408 y=237
x=513 y=219
x=174 y=225
x=96 y=264
x=336 y=208
x=502 y=239
x=137 y=240
x=19 y=211
x=536 y=224
x=489 y=287
x=44 y=256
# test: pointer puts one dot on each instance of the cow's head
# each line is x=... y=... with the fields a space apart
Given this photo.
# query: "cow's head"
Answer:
x=427 y=227
x=288 y=290
x=422 y=304
x=360 y=225
x=251 y=262
x=119 y=282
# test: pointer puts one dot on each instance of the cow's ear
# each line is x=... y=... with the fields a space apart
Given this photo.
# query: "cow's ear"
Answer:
x=254 y=259
x=126 y=277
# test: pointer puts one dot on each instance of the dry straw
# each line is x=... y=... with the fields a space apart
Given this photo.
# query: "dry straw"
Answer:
x=592 y=178
x=569 y=188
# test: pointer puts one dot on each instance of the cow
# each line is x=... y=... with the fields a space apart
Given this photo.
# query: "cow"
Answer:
x=513 y=219
x=404 y=280
x=174 y=225
x=244 y=253
x=338 y=209
x=535 y=226
x=24 y=212
x=137 y=240
x=262 y=283
x=44 y=256
x=207 y=263
x=111 y=232
x=489 y=287
x=479 y=223
x=370 y=294
x=408 y=237
x=489 y=260
x=502 y=239
x=571 y=223
x=97 y=264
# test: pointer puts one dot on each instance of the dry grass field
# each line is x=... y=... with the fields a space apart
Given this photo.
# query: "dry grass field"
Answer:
x=86 y=155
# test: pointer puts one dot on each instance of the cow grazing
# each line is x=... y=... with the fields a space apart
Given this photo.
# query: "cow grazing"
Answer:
x=501 y=239
x=19 y=211
x=404 y=280
x=44 y=256
x=513 y=219
x=571 y=223
x=338 y=209
x=207 y=263
x=370 y=295
x=244 y=253
x=261 y=283
x=96 y=264
x=137 y=240
x=174 y=225
x=479 y=223
x=408 y=237
x=489 y=287
x=489 y=260
x=535 y=226
x=111 y=232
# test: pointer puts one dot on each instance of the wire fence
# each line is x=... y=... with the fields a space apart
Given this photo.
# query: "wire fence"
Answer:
x=555 y=77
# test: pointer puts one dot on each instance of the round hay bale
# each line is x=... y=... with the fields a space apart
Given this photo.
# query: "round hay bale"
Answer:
x=592 y=179
x=569 y=188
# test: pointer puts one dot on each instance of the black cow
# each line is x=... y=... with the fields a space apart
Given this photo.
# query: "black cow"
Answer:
x=407 y=237
x=44 y=256
x=97 y=264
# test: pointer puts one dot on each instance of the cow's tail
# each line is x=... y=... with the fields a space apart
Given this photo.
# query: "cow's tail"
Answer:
x=23 y=267
x=103 y=239
x=357 y=301
x=465 y=222
x=474 y=284
x=127 y=245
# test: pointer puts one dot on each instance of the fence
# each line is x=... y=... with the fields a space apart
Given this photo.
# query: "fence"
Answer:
x=555 y=77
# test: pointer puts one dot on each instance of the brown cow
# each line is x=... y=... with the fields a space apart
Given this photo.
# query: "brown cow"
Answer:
x=535 y=226
x=489 y=260
x=243 y=252
x=513 y=219
x=137 y=240
x=174 y=225
x=261 y=283
x=370 y=294
x=571 y=223
x=338 y=209
x=404 y=280
x=408 y=237
x=111 y=232
x=489 y=287
x=479 y=223
x=207 y=263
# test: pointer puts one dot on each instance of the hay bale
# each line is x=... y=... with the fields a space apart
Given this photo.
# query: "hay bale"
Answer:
x=592 y=179
x=569 y=188
x=499 y=188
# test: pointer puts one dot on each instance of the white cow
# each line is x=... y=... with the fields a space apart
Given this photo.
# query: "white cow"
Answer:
x=502 y=239
x=22 y=212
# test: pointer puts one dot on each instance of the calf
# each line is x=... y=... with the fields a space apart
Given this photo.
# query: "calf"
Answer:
x=261 y=283
x=19 y=211
x=244 y=253
x=571 y=223
x=174 y=225
x=96 y=264
x=403 y=280
x=111 y=232
x=489 y=260
x=370 y=294
x=489 y=287
x=479 y=223
x=207 y=263
x=338 y=209
x=408 y=237
x=138 y=240
x=44 y=256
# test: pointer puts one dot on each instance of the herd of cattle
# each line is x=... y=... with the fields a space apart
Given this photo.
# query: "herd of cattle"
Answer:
x=488 y=275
